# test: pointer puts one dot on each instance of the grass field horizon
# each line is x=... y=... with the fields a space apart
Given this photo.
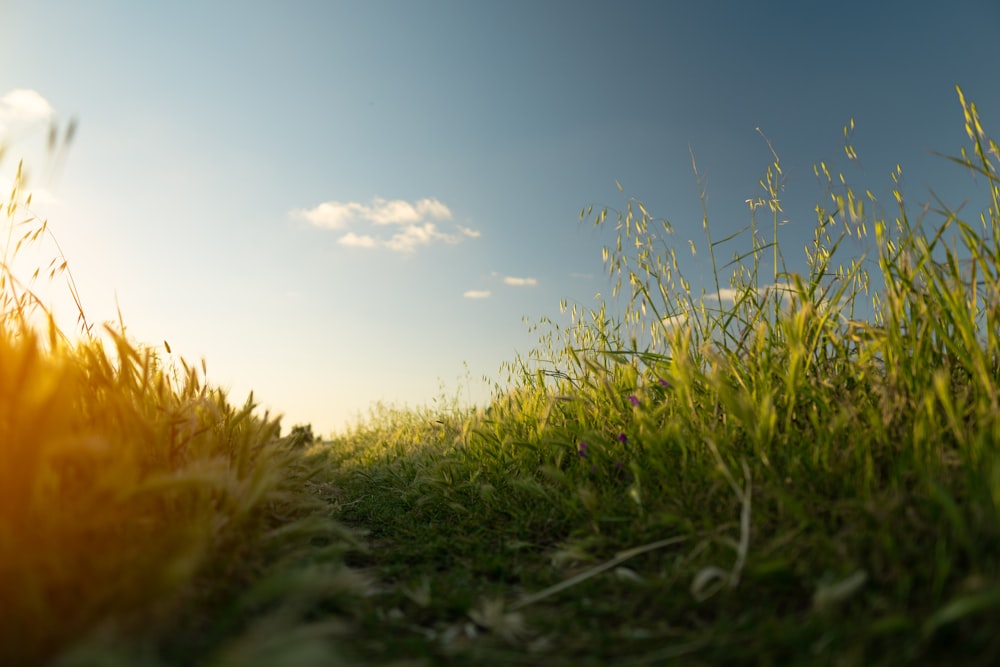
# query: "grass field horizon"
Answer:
x=791 y=468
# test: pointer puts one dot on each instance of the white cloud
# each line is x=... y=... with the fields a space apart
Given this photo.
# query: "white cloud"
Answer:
x=782 y=291
x=414 y=221
x=729 y=294
x=476 y=294
x=520 y=282
x=23 y=108
x=25 y=105
x=432 y=208
x=336 y=215
x=353 y=240
x=674 y=321
x=413 y=236
x=397 y=211
x=330 y=215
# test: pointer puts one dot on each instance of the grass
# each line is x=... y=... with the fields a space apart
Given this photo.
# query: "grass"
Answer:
x=807 y=472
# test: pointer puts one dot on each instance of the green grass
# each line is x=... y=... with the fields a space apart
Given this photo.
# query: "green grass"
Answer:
x=775 y=481
x=806 y=474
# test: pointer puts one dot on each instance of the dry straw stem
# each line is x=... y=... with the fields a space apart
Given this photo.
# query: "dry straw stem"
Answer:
x=596 y=570
x=608 y=565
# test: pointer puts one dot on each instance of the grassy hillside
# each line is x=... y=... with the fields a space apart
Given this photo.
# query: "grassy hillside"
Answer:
x=806 y=473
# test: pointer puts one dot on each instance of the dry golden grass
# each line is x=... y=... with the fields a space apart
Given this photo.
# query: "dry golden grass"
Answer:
x=120 y=475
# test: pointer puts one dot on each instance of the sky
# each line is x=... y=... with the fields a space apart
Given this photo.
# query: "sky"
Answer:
x=338 y=203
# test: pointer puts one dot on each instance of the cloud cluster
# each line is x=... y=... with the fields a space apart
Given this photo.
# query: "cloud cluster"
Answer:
x=513 y=281
x=730 y=295
x=23 y=108
x=412 y=223
x=519 y=282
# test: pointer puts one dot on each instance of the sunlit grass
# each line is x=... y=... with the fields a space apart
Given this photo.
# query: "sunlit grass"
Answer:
x=143 y=518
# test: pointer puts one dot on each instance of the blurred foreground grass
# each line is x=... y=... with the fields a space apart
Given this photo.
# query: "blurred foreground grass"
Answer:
x=143 y=518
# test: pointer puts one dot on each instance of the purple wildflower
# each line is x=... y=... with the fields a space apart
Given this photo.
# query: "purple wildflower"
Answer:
x=582 y=449
x=633 y=399
x=622 y=437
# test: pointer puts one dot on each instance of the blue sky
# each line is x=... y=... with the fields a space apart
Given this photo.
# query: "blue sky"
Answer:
x=335 y=203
